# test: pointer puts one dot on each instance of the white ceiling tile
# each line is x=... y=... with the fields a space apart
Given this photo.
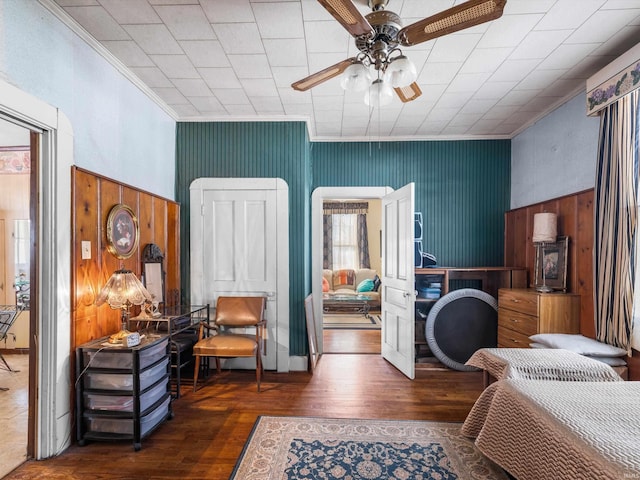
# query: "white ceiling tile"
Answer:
x=175 y=66
x=328 y=128
x=518 y=7
x=430 y=127
x=173 y=2
x=539 y=79
x=279 y=19
x=171 y=95
x=602 y=25
x=518 y=97
x=305 y=109
x=320 y=61
x=186 y=22
x=568 y=14
x=452 y=129
x=207 y=104
x=623 y=40
x=478 y=106
x=205 y=53
x=131 y=11
x=514 y=70
x=267 y=105
x=539 y=44
x=329 y=103
x=250 y=66
x=453 y=48
x=442 y=114
x=285 y=76
x=453 y=100
x=323 y=116
x=434 y=73
x=259 y=87
x=467 y=82
x=152 y=76
x=192 y=87
x=418 y=9
x=483 y=60
x=225 y=11
x=98 y=22
x=239 y=38
x=220 y=77
x=154 y=39
x=500 y=112
x=129 y=53
x=231 y=96
x=494 y=90
x=566 y=56
x=332 y=88
x=241 y=110
x=286 y=53
x=185 y=110
x=76 y=3
x=508 y=31
x=325 y=37
x=290 y=96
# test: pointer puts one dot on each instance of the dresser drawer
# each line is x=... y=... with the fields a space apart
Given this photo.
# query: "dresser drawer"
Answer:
x=519 y=300
x=512 y=339
x=517 y=321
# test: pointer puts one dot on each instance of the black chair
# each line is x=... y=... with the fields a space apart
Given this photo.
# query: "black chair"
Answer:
x=8 y=315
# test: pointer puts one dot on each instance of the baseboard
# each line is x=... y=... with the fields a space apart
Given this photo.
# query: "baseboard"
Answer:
x=14 y=351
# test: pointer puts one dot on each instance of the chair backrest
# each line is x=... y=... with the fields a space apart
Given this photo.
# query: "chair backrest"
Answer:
x=239 y=311
x=8 y=314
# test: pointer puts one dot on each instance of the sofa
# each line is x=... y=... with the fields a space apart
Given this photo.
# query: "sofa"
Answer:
x=351 y=282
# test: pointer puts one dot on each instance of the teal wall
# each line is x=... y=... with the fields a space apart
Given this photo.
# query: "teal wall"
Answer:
x=259 y=150
x=462 y=189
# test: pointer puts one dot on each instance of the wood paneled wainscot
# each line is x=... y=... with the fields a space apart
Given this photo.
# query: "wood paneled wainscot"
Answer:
x=525 y=312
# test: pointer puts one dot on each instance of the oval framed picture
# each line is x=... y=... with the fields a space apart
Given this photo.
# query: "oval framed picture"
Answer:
x=122 y=231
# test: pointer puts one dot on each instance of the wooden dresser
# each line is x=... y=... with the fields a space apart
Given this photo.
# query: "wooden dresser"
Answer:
x=524 y=312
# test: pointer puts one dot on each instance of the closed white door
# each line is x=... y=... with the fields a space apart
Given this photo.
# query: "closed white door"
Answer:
x=237 y=254
x=398 y=289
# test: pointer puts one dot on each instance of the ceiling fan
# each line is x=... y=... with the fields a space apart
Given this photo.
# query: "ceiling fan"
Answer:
x=378 y=36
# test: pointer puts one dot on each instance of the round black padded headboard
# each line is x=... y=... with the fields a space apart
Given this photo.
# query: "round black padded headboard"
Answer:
x=460 y=323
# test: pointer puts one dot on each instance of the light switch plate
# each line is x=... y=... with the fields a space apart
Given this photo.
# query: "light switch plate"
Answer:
x=86 y=250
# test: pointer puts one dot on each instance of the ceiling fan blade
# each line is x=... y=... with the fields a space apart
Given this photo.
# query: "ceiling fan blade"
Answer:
x=465 y=15
x=322 y=76
x=409 y=93
x=345 y=12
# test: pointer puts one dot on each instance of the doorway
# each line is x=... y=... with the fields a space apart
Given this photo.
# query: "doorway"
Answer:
x=338 y=340
x=15 y=280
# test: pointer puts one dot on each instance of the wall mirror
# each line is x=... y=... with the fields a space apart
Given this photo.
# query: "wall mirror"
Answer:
x=153 y=273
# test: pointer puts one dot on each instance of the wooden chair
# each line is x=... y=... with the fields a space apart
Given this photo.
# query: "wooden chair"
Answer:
x=233 y=313
x=8 y=315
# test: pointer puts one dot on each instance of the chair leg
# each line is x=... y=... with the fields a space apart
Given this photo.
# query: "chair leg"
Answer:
x=7 y=365
x=258 y=368
x=195 y=371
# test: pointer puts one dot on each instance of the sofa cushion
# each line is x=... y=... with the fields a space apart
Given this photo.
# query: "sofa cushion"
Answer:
x=327 y=274
x=365 y=286
x=364 y=274
x=344 y=279
x=325 y=285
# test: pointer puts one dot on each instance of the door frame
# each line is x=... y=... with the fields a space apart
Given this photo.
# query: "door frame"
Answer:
x=318 y=197
x=196 y=192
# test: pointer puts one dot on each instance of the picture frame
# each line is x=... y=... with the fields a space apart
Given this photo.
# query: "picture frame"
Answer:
x=123 y=231
x=311 y=333
x=553 y=258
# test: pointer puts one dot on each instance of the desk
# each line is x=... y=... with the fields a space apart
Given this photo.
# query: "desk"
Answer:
x=492 y=278
x=180 y=323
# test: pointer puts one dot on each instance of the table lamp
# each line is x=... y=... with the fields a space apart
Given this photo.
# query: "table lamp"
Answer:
x=121 y=291
x=545 y=230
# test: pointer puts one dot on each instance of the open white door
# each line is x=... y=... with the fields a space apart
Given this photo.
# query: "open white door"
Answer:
x=398 y=289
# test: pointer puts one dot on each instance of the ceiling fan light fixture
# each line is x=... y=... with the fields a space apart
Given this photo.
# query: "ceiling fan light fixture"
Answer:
x=401 y=72
x=355 y=78
x=379 y=94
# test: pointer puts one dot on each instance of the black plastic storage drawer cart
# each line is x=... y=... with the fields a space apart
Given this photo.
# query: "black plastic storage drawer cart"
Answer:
x=122 y=393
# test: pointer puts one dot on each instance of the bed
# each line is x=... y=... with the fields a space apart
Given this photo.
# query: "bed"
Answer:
x=538 y=429
x=540 y=364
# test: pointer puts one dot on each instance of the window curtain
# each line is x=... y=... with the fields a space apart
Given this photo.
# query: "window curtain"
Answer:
x=615 y=221
x=346 y=208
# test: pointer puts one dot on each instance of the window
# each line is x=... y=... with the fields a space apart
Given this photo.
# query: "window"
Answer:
x=345 y=241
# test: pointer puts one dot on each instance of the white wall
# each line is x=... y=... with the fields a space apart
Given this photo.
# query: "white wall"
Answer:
x=556 y=156
x=118 y=131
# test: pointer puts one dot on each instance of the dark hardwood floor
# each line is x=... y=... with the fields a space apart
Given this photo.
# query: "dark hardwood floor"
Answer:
x=210 y=427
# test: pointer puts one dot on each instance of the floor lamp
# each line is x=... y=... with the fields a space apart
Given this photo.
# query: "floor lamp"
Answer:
x=545 y=230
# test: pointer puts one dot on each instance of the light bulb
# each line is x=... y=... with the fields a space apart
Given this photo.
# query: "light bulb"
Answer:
x=355 y=78
x=402 y=72
x=380 y=94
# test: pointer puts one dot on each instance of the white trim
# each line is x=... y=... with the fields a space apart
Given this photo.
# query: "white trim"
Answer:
x=53 y=422
x=318 y=196
x=197 y=189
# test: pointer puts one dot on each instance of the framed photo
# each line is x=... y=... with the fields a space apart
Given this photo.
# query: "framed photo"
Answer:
x=122 y=231
x=551 y=264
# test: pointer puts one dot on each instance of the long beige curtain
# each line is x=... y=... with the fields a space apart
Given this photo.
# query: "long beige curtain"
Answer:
x=615 y=221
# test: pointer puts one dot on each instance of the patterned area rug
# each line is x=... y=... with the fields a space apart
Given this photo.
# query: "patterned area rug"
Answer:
x=348 y=321
x=303 y=448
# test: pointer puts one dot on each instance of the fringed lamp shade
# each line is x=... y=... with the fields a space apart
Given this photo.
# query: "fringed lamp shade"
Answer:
x=545 y=228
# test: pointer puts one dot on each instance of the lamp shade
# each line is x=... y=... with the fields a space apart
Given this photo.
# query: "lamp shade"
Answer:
x=545 y=227
x=355 y=78
x=379 y=94
x=123 y=289
x=402 y=72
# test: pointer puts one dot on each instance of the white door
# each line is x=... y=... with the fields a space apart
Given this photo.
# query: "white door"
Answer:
x=236 y=250
x=398 y=289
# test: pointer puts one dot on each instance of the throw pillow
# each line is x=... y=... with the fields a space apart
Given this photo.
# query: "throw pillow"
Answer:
x=325 y=285
x=578 y=343
x=344 y=278
x=365 y=286
x=376 y=283
x=612 y=361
